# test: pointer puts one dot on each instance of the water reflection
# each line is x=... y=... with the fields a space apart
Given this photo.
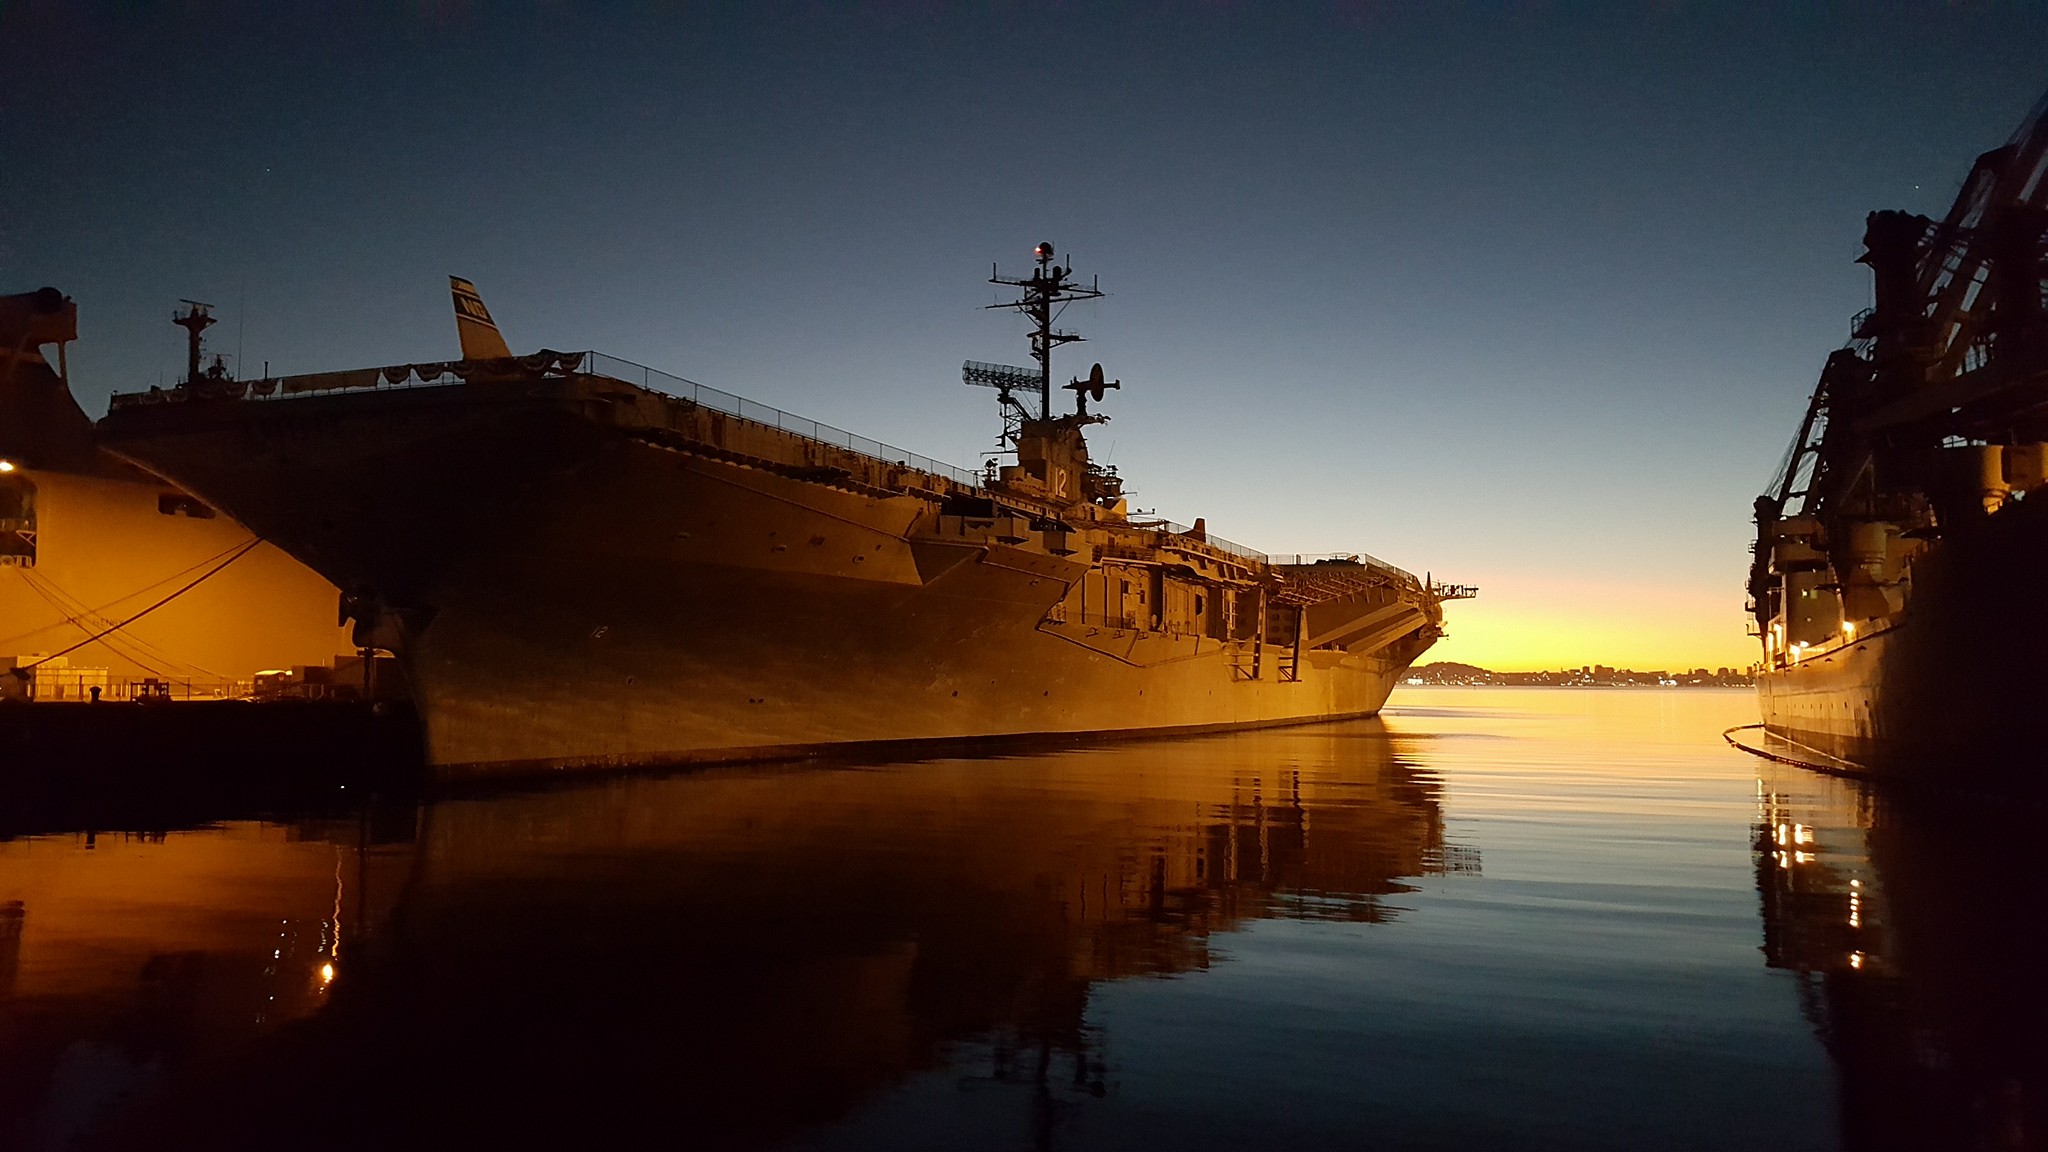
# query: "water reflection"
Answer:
x=1914 y=924
x=732 y=956
x=125 y=956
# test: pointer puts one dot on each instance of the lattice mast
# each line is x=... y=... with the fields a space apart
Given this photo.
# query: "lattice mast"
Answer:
x=1045 y=294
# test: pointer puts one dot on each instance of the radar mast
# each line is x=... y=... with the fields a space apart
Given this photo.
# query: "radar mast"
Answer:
x=1046 y=293
x=195 y=319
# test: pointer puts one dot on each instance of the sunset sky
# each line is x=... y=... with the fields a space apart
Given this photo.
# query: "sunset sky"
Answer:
x=1527 y=296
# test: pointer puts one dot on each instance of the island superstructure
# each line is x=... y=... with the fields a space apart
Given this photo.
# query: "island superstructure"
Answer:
x=580 y=562
x=1896 y=582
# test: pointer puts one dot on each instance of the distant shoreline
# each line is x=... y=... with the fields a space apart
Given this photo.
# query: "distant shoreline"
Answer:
x=1451 y=674
x=1582 y=687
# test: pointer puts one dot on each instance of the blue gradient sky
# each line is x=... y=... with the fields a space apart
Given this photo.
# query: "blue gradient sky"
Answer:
x=1528 y=296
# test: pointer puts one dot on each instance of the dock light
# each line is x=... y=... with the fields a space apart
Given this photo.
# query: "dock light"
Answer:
x=6 y=465
x=327 y=973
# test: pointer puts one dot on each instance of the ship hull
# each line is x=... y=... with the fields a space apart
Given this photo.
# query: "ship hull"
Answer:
x=1828 y=703
x=564 y=596
x=703 y=664
x=113 y=582
x=1954 y=691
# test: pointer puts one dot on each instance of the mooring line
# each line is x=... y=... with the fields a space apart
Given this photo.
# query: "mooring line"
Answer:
x=244 y=550
x=99 y=610
x=145 y=654
x=1840 y=767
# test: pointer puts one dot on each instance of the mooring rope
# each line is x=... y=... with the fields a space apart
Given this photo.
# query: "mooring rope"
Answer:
x=1839 y=767
x=87 y=622
x=100 y=610
x=244 y=550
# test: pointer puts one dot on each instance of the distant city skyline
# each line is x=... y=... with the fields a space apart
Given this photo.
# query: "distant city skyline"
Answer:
x=1523 y=297
x=1444 y=672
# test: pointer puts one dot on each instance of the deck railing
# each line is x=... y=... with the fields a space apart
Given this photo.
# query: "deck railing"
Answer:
x=655 y=380
x=1366 y=559
x=78 y=684
x=405 y=376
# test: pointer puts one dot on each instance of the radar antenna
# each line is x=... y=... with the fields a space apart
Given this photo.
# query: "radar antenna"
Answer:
x=1093 y=386
x=1046 y=293
x=1007 y=380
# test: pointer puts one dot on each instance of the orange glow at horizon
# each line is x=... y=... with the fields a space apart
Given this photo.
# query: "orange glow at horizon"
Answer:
x=1533 y=626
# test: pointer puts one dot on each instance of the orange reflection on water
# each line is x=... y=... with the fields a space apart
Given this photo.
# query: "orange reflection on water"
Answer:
x=126 y=954
x=818 y=933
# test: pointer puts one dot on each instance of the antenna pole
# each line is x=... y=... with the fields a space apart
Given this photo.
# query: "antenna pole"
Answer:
x=1048 y=288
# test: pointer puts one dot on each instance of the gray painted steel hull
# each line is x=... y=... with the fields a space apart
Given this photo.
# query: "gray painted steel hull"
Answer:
x=565 y=596
x=1957 y=690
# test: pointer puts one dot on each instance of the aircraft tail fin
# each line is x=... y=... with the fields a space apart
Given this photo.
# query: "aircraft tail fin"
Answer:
x=473 y=323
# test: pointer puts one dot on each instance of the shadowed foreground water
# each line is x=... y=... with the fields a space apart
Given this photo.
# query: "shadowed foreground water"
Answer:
x=1499 y=917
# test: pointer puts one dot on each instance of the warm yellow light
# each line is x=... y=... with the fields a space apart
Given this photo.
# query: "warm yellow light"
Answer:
x=6 y=465
x=327 y=973
x=1849 y=629
x=1553 y=622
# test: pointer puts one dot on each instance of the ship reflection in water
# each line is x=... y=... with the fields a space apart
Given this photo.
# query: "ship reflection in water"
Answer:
x=1282 y=937
x=760 y=949
x=1914 y=924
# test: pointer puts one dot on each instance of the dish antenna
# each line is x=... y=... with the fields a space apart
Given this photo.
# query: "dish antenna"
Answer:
x=1093 y=387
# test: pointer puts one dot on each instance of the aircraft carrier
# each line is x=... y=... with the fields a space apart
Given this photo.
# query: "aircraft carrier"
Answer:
x=1896 y=578
x=582 y=563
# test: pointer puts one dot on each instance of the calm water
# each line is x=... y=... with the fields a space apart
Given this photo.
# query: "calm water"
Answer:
x=1519 y=918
